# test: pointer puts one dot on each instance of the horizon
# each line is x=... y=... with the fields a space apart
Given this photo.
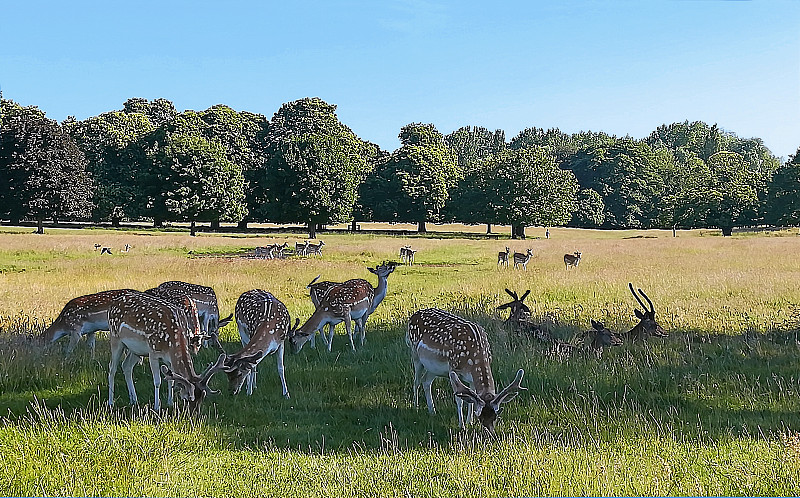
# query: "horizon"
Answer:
x=622 y=67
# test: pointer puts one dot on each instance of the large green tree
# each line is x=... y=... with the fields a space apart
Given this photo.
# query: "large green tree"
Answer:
x=414 y=184
x=42 y=171
x=783 y=198
x=314 y=165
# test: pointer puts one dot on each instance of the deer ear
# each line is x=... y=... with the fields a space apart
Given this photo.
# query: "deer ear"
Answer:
x=372 y=270
x=595 y=325
x=639 y=314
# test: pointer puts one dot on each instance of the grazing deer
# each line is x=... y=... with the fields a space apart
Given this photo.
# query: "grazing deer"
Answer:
x=601 y=337
x=647 y=325
x=502 y=257
x=522 y=259
x=105 y=250
x=81 y=316
x=145 y=325
x=351 y=301
x=206 y=301
x=317 y=291
x=178 y=297
x=572 y=260
x=315 y=249
x=446 y=345
x=264 y=324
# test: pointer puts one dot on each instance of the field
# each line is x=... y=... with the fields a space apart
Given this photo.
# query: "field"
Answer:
x=713 y=409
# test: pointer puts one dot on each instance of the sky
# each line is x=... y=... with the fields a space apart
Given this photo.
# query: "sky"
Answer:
x=621 y=67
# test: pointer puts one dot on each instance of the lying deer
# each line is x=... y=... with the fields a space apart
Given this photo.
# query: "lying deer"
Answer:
x=647 y=325
x=446 y=345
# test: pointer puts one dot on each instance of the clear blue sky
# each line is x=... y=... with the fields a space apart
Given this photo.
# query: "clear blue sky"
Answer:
x=623 y=67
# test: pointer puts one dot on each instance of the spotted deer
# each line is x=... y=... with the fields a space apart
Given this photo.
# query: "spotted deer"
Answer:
x=572 y=260
x=179 y=297
x=317 y=291
x=206 y=301
x=404 y=253
x=446 y=345
x=647 y=325
x=352 y=301
x=81 y=316
x=522 y=259
x=601 y=338
x=502 y=257
x=301 y=249
x=315 y=249
x=147 y=326
x=264 y=324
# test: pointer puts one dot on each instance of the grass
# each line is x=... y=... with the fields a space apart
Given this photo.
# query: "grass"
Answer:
x=711 y=410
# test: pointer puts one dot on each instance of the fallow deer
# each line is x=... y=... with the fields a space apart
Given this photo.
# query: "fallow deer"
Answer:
x=601 y=337
x=179 y=297
x=317 y=291
x=407 y=255
x=207 y=308
x=520 y=313
x=647 y=325
x=352 y=301
x=522 y=259
x=572 y=260
x=403 y=253
x=145 y=325
x=502 y=257
x=81 y=316
x=105 y=250
x=301 y=249
x=446 y=345
x=315 y=249
x=264 y=324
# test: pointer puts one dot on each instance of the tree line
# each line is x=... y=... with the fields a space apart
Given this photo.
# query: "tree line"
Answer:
x=148 y=161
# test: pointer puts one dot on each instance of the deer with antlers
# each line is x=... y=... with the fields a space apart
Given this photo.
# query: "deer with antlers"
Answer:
x=264 y=324
x=647 y=325
x=81 y=316
x=502 y=257
x=178 y=296
x=521 y=259
x=572 y=260
x=446 y=345
x=145 y=325
x=350 y=302
x=206 y=301
x=601 y=338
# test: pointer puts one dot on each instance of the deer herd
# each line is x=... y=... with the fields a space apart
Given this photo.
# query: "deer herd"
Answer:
x=170 y=323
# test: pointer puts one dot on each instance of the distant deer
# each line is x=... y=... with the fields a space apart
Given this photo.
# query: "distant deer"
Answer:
x=572 y=260
x=97 y=246
x=105 y=250
x=301 y=249
x=647 y=325
x=315 y=249
x=502 y=257
x=404 y=253
x=522 y=259
x=127 y=248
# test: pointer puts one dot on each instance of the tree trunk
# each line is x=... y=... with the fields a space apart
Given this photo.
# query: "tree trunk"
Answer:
x=312 y=230
x=115 y=222
x=727 y=231
x=354 y=226
x=242 y=225
x=193 y=228
x=518 y=231
x=488 y=228
x=215 y=224
x=421 y=227
x=40 y=225
x=158 y=223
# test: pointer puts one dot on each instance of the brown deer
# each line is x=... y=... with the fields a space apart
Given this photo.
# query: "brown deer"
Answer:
x=207 y=308
x=446 y=345
x=315 y=249
x=178 y=297
x=601 y=337
x=647 y=325
x=522 y=259
x=572 y=260
x=301 y=249
x=317 y=291
x=502 y=257
x=81 y=316
x=520 y=314
x=145 y=325
x=351 y=301
x=264 y=324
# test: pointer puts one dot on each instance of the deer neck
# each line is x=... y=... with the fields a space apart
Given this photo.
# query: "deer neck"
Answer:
x=380 y=292
x=322 y=315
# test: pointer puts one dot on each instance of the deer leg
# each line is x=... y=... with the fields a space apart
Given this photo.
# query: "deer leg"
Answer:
x=130 y=361
x=116 y=350
x=329 y=340
x=427 y=380
x=281 y=373
x=418 y=372
x=348 y=323
x=91 y=341
x=362 y=324
x=74 y=337
x=154 y=367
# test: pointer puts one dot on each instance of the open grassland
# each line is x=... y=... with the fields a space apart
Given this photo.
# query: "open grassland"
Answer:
x=711 y=410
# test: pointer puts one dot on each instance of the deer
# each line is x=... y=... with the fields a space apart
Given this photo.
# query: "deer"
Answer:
x=502 y=257
x=410 y=253
x=145 y=325
x=520 y=313
x=264 y=324
x=404 y=253
x=572 y=260
x=180 y=298
x=351 y=301
x=81 y=316
x=315 y=248
x=317 y=291
x=446 y=345
x=127 y=248
x=105 y=250
x=301 y=249
x=207 y=308
x=601 y=337
x=522 y=259
x=647 y=325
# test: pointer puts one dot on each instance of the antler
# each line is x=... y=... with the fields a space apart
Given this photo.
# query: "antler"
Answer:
x=178 y=379
x=630 y=286
x=510 y=390
x=209 y=372
x=652 y=309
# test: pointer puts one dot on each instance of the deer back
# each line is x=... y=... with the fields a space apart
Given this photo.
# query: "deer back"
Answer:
x=80 y=309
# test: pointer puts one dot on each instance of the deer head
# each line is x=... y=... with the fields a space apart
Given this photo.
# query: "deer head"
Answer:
x=194 y=391
x=488 y=406
x=519 y=310
x=647 y=325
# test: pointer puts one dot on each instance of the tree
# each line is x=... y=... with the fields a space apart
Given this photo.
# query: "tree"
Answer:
x=413 y=185
x=783 y=198
x=314 y=165
x=42 y=172
x=528 y=188
x=589 y=209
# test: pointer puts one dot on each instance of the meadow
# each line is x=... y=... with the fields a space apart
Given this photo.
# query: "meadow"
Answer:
x=713 y=409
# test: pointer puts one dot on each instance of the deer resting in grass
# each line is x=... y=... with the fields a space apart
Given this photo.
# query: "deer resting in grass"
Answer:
x=446 y=345
x=350 y=302
x=647 y=325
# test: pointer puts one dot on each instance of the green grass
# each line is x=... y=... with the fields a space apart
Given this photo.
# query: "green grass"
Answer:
x=711 y=410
